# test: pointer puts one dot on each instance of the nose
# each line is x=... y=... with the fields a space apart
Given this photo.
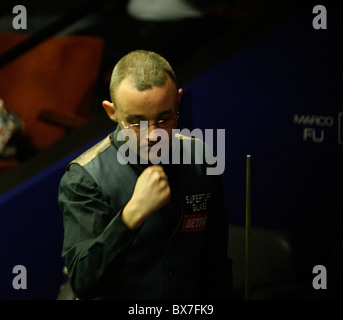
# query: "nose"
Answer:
x=153 y=125
x=152 y=134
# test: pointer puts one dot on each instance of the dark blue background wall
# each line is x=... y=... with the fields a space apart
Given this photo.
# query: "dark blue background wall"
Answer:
x=265 y=97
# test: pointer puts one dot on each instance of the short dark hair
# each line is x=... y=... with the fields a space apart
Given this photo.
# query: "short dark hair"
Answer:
x=146 y=69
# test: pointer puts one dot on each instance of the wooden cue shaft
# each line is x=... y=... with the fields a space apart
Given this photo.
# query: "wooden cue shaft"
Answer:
x=247 y=295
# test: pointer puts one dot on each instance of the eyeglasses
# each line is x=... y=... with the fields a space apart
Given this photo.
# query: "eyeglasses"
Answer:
x=144 y=124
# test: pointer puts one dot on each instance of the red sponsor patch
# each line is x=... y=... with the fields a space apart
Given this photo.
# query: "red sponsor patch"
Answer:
x=194 y=222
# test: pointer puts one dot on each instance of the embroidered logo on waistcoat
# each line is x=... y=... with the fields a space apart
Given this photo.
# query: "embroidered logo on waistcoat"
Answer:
x=197 y=206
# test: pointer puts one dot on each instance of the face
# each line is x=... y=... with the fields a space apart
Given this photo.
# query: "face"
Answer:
x=152 y=105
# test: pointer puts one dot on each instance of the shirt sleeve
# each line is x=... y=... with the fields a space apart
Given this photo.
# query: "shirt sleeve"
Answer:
x=95 y=237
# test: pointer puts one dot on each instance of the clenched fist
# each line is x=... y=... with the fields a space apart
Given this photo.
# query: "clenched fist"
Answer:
x=151 y=193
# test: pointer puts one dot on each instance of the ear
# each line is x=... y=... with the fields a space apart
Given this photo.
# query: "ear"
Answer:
x=110 y=110
x=180 y=92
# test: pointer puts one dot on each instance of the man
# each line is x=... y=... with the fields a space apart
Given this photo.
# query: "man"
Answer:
x=138 y=230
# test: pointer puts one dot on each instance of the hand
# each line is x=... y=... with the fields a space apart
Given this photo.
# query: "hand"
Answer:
x=151 y=193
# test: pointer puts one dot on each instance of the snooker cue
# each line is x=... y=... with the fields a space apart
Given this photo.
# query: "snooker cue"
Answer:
x=247 y=293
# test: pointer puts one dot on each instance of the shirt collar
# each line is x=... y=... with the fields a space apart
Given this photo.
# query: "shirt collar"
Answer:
x=117 y=144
